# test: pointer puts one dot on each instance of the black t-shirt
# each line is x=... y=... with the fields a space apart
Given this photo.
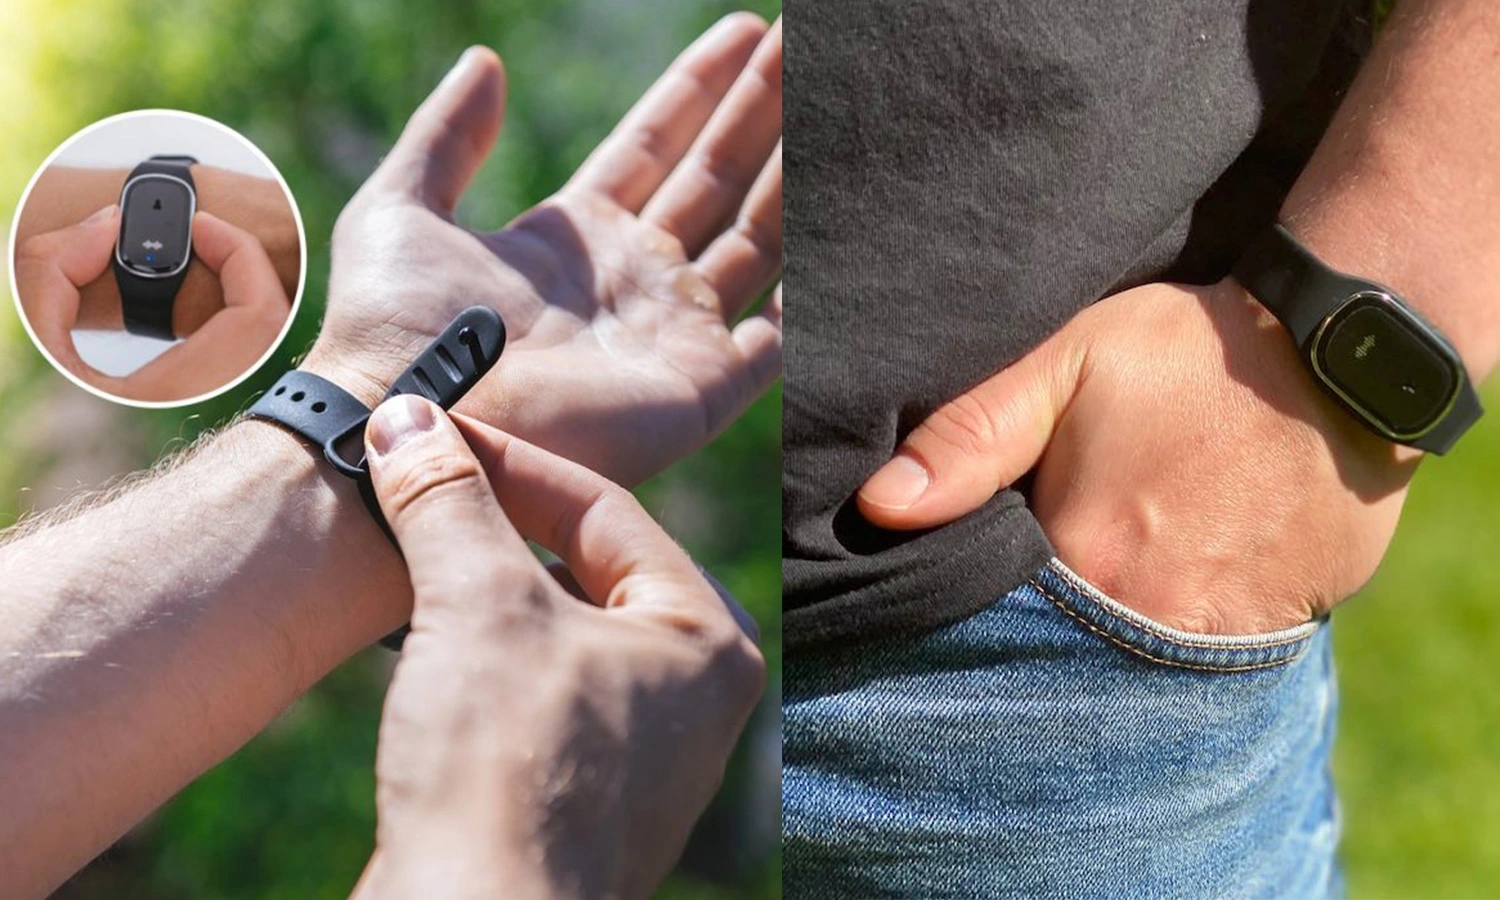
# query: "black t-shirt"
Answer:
x=962 y=177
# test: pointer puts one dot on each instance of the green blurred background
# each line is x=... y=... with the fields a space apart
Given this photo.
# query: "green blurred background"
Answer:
x=323 y=88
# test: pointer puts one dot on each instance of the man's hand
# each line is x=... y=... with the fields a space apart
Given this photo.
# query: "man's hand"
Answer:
x=542 y=741
x=1185 y=462
x=620 y=293
x=64 y=195
x=52 y=268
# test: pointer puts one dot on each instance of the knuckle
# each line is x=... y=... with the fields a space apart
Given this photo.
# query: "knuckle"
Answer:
x=965 y=423
x=740 y=665
x=605 y=500
x=653 y=143
x=34 y=250
x=722 y=171
x=760 y=235
x=430 y=479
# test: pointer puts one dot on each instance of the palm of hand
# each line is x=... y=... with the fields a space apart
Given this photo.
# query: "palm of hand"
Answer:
x=620 y=351
x=616 y=347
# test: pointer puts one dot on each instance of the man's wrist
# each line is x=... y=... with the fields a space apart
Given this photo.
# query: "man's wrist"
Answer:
x=1399 y=191
x=360 y=591
x=364 y=385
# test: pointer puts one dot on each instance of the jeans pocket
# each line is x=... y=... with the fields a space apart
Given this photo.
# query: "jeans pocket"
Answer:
x=1059 y=744
x=1114 y=622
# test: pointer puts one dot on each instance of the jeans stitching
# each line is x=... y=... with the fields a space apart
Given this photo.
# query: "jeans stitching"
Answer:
x=1269 y=664
x=1160 y=635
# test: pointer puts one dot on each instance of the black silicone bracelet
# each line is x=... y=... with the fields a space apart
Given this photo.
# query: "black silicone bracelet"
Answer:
x=334 y=421
x=1302 y=292
x=147 y=303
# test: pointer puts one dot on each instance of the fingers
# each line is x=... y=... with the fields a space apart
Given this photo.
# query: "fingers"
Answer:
x=50 y=269
x=741 y=616
x=462 y=552
x=449 y=135
x=975 y=445
x=616 y=553
x=82 y=252
x=637 y=156
x=759 y=341
x=245 y=270
x=742 y=261
x=220 y=351
x=707 y=187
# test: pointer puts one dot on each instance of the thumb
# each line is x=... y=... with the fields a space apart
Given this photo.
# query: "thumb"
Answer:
x=81 y=252
x=978 y=443
x=51 y=267
x=241 y=262
x=449 y=135
x=461 y=551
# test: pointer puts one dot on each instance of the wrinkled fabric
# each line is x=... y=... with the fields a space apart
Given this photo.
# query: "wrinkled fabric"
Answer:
x=963 y=177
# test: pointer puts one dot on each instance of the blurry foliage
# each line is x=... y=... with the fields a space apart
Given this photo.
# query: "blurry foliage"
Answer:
x=323 y=88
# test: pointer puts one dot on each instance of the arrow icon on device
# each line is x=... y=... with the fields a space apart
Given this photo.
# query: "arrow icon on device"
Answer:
x=152 y=245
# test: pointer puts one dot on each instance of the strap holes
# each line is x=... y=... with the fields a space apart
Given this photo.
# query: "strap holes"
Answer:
x=280 y=390
x=297 y=397
x=319 y=406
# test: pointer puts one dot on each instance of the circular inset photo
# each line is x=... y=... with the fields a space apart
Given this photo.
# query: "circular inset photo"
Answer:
x=158 y=258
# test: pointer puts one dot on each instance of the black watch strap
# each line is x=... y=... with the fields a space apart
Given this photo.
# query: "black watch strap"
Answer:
x=1292 y=283
x=1302 y=293
x=315 y=408
x=147 y=303
x=334 y=420
x=1465 y=412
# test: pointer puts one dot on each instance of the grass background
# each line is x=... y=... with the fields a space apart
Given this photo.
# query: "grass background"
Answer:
x=1418 y=752
x=323 y=88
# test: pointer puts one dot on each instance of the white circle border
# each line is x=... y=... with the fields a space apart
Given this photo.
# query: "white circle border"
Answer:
x=301 y=271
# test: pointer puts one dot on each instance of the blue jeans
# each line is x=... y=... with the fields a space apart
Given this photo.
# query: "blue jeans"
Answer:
x=1060 y=744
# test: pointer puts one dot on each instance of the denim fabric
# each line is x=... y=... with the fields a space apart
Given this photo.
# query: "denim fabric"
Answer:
x=1060 y=744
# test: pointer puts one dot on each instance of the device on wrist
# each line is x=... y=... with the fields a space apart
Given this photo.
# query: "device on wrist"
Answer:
x=334 y=420
x=155 y=245
x=1384 y=363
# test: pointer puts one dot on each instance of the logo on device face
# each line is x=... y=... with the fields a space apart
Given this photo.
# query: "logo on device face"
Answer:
x=157 y=245
x=1361 y=351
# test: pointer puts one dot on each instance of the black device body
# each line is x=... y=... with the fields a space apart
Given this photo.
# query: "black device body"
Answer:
x=157 y=205
x=1384 y=363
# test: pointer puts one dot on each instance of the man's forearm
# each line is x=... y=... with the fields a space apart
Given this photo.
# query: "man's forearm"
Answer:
x=64 y=196
x=151 y=636
x=1404 y=187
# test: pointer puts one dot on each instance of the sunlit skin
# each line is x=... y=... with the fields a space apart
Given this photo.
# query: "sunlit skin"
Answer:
x=636 y=684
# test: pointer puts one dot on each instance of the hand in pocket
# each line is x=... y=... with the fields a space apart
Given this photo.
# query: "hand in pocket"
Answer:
x=1185 y=462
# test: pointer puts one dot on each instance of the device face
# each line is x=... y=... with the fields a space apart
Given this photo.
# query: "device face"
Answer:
x=156 y=225
x=1387 y=365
